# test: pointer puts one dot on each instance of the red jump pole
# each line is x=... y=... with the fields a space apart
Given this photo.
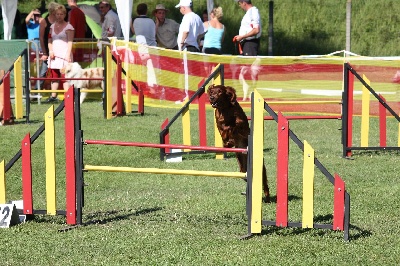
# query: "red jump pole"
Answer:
x=7 y=111
x=282 y=172
x=338 y=199
x=382 y=123
x=27 y=175
x=202 y=118
x=166 y=136
x=120 y=100
x=155 y=145
x=140 y=101
x=70 y=156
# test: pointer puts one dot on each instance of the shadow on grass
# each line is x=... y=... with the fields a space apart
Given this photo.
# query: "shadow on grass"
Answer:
x=354 y=234
x=369 y=153
x=290 y=198
x=116 y=215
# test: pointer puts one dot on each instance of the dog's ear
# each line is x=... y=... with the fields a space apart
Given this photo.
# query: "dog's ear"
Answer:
x=231 y=92
x=210 y=88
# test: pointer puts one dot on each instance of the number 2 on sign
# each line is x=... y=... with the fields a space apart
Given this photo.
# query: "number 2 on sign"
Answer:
x=4 y=215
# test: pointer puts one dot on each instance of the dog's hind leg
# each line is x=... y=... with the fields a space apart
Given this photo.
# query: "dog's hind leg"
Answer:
x=267 y=198
x=83 y=96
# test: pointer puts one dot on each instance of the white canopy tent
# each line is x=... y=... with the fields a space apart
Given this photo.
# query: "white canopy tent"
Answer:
x=8 y=9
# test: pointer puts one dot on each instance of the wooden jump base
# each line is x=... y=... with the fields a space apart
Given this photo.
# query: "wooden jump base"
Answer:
x=347 y=121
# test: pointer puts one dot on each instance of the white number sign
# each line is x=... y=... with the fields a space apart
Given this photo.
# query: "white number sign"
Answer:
x=8 y=215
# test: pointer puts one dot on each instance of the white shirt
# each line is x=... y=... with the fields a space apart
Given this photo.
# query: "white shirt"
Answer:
x=111 y=25
x=250 y=21
x=191 y=23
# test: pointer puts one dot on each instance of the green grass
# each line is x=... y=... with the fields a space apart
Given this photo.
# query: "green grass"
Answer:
x=152 y=219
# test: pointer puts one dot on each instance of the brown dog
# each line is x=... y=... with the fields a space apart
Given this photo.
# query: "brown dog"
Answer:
x=233 y=125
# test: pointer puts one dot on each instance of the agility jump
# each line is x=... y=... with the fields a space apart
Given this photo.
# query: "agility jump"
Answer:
x=217 y=78
x=7 y=116
x=341 y=206
x=113 y=104
x=25 y=155
x=347 y=121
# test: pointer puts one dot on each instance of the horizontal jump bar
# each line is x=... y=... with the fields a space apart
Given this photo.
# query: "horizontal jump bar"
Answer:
x=299 y=102
x=82 y=90
x=64 y=78
x=300 y=117
x=163 y=171
x=163 y=146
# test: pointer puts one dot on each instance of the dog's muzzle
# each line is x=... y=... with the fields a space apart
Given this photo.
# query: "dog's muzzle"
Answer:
x=213 y=103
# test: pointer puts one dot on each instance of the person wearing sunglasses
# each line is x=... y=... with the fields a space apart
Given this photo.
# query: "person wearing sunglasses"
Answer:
x=111 y=26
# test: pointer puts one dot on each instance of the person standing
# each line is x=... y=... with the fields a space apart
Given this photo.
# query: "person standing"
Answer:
x=144 y=27
x=191 y=27
x=166 y=29
x=214 y=32
x=77 y=19
x=32 y=21
x=250 y=29
x=60 y=48
x=110 y=26
x=44 y=31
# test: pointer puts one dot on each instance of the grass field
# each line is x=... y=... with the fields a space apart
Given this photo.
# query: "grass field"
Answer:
x=148 y=219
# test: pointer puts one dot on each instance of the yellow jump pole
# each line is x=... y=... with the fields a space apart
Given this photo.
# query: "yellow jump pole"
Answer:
x=50 y=161
x=217 y=136
x=186 y=125
x=365 y=114
x=18 y=88
x=2 y=183
x=258 y=161
x=128 y=90
x=163 y=171
x=308 y=187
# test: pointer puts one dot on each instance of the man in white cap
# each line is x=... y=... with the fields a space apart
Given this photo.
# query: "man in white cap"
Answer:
x=191 y=27
x=166 y=29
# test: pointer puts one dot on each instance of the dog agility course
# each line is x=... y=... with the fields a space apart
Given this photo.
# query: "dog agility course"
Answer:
x=76 y=166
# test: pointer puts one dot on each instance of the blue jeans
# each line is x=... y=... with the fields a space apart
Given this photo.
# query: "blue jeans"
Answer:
x=43 y=72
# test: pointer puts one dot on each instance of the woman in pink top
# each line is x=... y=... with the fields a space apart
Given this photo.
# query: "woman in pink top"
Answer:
x=60 y=46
